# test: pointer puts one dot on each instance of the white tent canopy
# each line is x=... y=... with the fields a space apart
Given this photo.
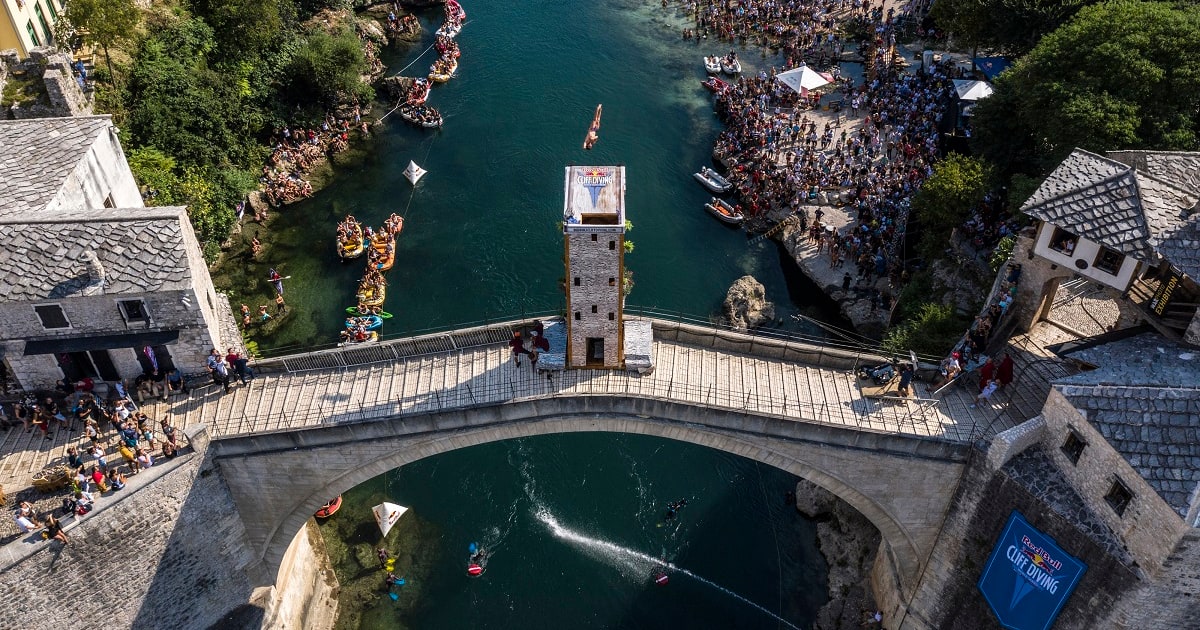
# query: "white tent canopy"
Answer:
x=803 y=78
x=414 y=172
x=969 y=90
x=386 y=515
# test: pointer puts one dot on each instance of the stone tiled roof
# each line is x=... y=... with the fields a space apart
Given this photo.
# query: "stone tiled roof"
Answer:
x=1145 y=400
x=1080 y=170
x=37 y=155
x=1181 y=168
x=139 y=250
x=1138 y=213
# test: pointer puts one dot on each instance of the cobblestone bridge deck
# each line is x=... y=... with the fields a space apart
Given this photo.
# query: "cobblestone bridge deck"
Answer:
x=473 y=367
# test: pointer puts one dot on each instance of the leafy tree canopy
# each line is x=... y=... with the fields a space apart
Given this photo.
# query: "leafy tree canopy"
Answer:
x=946 y=198
x=1120 y=75
x=1008 y=26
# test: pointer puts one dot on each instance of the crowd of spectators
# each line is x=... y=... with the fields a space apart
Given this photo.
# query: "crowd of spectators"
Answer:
x=121 y=440
x=780 y=157
x=296 y=150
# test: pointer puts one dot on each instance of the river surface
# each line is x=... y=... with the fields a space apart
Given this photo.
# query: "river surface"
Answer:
x=576 y=522
x=482 y=238
x=576 y=528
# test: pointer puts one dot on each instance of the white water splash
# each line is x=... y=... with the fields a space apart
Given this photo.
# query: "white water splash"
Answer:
x=623 y=556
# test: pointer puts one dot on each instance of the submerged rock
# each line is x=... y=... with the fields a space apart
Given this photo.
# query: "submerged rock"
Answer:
x=746 y=304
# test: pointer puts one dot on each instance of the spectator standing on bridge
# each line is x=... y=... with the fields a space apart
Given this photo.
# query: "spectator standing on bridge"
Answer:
x=518 y=347
x=218 y=369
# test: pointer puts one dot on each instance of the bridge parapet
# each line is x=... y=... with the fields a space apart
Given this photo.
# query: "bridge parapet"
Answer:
x=773 y=344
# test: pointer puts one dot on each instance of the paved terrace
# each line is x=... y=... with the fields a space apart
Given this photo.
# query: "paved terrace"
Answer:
x=473 y=367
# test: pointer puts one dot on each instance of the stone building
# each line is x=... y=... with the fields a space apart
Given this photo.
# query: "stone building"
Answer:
x=92 y=283
x=27 y=24
x=594 y=242
x=1128 y=221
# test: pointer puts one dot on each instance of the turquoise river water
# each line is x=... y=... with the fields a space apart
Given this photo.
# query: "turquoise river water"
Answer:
x=575 y=521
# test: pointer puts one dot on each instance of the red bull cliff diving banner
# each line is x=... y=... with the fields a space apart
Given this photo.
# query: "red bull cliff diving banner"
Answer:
x=1028 y=577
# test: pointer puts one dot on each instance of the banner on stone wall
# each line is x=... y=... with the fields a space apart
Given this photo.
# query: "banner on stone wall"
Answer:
x=1028 y=577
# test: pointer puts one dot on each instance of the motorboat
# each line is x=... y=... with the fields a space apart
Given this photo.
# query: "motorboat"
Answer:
x=715 y=84
x=330 y=508
x=443 y=70
x=724 y=211
x=712 y=180
x=712 y=65
x=422 y=115
x=350 y=239
x=454 y=11
x=730 y=65
x=449 y=30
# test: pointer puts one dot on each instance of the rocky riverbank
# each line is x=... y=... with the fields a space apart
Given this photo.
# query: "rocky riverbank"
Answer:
x=862 y=303
x=848 y=541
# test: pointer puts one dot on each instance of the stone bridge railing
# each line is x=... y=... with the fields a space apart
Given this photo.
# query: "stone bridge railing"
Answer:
x=849 y=410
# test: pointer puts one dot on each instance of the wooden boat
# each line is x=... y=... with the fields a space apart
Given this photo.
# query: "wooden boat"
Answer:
x=715 y=85
x=329 y=509
x=731 y=65
x=443 y=70
x=712 y=65
x=724 y=211
x=371 y=295
x=421 y=115
x=350 y=246
x=713 y=181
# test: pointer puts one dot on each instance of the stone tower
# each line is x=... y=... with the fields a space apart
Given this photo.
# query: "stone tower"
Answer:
x=594 y=252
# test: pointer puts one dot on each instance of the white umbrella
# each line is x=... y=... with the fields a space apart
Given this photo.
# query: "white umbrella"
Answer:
x=802 y=78
x=969 y=90
x=386 y=515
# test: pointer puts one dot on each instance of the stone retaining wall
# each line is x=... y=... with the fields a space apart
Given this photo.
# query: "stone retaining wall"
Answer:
x=166 y=555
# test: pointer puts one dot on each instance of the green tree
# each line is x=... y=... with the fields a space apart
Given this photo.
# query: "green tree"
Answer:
x=1011 y=27
x=945 y=200
x=103 y=22
x=933 y=330
x=329 y=67
x=1119 y=75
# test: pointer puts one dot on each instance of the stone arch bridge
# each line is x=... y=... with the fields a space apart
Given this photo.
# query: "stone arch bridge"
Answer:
x=313 y=426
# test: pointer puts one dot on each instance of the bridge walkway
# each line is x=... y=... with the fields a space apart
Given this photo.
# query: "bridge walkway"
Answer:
x=474 y=368
x=486 y=375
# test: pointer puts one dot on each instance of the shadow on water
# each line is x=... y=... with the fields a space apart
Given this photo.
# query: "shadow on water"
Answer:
x=735 y=534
